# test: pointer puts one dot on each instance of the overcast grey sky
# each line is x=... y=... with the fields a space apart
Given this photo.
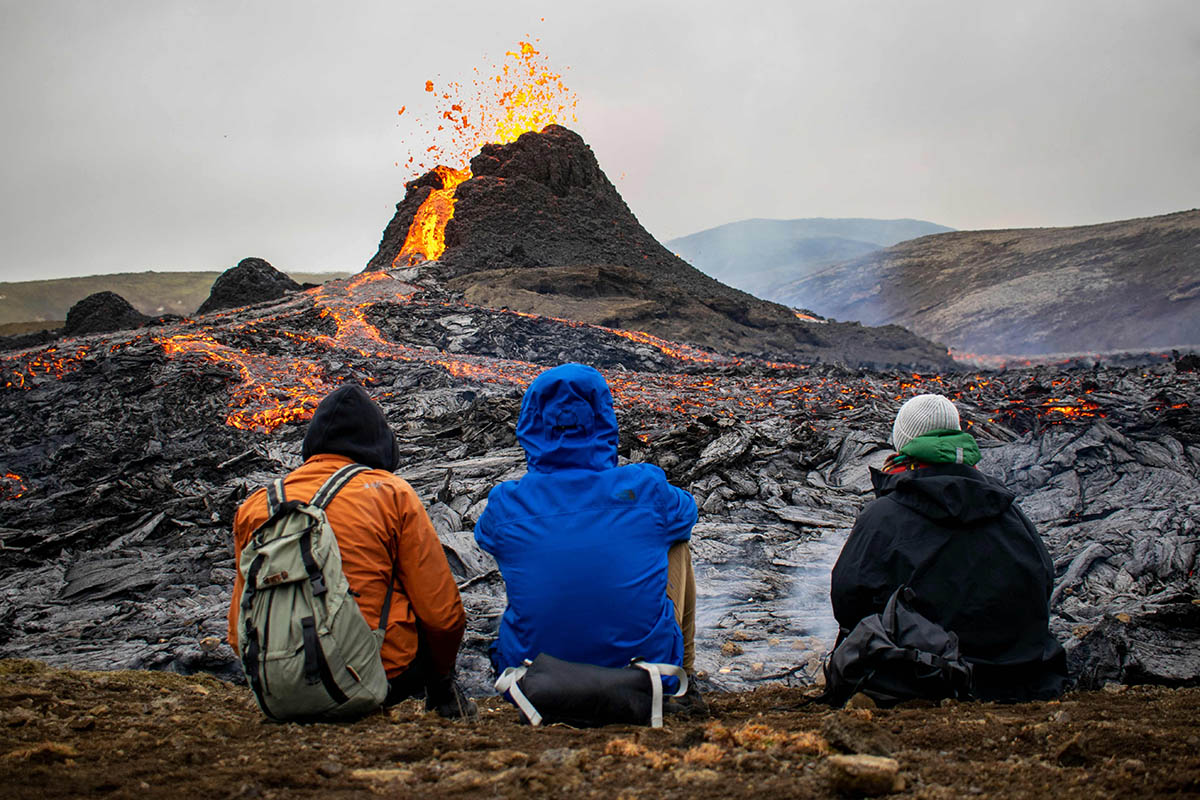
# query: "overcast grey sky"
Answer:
x=161 y=134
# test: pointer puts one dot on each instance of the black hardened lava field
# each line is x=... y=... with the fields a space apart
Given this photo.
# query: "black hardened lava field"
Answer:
x=126 y=455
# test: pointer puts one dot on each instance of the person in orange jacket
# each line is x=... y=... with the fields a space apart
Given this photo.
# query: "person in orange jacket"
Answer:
x=384 y=534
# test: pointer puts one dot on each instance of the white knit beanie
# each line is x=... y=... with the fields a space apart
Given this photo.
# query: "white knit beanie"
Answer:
x=921 y=414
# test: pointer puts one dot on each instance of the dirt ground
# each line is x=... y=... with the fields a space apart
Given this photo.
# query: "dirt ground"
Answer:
x=67 y=733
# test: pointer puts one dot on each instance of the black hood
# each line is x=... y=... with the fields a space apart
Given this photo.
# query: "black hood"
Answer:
x=945 y=492
x=349 y=423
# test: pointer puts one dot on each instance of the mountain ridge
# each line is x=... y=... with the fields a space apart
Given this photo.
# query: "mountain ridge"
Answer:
x=1100 y=287
x=758 y=255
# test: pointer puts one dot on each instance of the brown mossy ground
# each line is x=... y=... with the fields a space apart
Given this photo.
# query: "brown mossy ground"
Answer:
x=66 y=733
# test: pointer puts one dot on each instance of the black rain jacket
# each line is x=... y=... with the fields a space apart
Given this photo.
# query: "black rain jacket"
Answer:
x=990 y=584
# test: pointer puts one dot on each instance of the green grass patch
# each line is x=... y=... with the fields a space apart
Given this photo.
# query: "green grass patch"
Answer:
x=44 y=304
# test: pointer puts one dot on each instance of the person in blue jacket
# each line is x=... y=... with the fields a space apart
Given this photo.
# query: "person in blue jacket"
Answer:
x=586 y=547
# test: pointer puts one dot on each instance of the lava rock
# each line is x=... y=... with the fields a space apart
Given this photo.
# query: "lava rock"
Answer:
x=1186 y=363
x=863 y=776
x=856 y=736
x=253 y=280
x=22 y=341
x=102 y=312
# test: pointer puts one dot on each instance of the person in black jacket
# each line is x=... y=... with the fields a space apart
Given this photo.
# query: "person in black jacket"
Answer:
x=991 y=581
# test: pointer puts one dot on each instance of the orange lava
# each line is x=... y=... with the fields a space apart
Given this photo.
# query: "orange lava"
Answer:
x=523 y=94
x=51 y=362
x=426 y=240
x=259 y=401
x=11 y=486
x=283 y=373
x=679 y=350
x=1055 y=405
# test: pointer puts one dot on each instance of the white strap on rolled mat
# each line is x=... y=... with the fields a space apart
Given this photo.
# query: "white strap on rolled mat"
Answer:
x=656 y=698
x=507 y=682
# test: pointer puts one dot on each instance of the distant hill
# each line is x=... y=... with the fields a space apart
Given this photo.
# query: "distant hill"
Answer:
x=1115 y=286
x=760 y=255
x=152 y=293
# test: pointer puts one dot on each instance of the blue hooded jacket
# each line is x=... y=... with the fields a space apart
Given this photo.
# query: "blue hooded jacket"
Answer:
x=582 y=543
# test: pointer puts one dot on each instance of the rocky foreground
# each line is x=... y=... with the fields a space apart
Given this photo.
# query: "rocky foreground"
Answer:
x=152 y=734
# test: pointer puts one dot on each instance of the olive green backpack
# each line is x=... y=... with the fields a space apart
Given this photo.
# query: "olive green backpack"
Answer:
x=307 y=652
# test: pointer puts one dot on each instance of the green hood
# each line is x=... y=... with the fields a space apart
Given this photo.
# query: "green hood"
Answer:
x=943 y=447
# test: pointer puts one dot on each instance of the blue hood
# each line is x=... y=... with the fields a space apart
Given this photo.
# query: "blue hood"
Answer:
x=567 y=421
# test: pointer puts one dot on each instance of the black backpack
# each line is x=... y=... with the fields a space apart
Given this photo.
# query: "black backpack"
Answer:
x=898 y=654
x=549 y=690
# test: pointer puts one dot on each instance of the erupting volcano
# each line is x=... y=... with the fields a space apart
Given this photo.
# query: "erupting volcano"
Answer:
x=533 y=224
x=126 y=454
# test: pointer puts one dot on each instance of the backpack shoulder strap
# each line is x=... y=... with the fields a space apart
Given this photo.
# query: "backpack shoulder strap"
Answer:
x=322 y=499
x=276 y=496
x=335 y=483
x=387 y=599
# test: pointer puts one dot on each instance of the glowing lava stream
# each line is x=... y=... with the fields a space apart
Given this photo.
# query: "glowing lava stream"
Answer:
x=52 y=362
x=273 y=389
x=12 y=486
x=426 y=240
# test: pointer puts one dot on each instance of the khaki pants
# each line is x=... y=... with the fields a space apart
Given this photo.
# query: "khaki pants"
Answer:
x=681 y=588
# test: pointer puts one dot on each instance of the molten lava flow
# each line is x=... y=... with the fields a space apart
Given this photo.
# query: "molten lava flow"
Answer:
x=1069 y=410
x=11 y=486
x=523 y=95
x=51 y=362
x=281 y=370
x=273 y=390
x=259 y=401
x=426 y=238
x=677 y=350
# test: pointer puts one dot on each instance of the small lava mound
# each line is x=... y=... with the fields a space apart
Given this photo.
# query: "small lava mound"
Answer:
x=253 y=280
x=102 y=312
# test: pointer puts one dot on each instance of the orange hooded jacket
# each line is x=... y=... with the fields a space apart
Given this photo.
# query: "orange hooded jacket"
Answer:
x=378 y=521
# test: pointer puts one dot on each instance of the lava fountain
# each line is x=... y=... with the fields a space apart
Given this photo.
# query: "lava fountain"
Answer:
x=523 y=95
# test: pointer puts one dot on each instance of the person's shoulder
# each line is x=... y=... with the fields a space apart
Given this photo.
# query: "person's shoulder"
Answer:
x=383 y=480
x=259 y=495
x=644 y=470
x=877 y=509
x=499 y=495
x=252 y=511
x=652 y=483
x=384 y=476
